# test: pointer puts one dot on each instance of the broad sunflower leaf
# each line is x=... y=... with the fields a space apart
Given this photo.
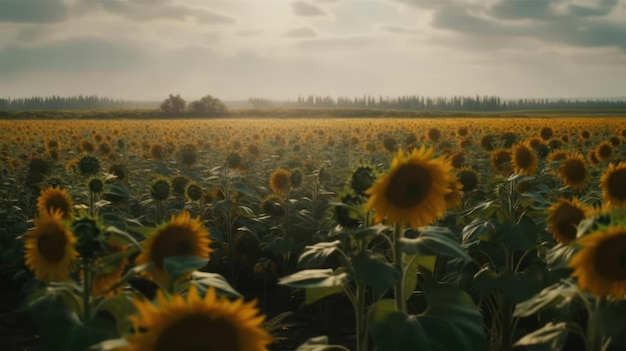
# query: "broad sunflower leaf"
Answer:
x=555 y=295
x=175 y=266
x=477 y=230
x=452 y=321
x=554 y=334
x=369 y=232
x=316 y=278
x=395 y=331
x=320 y=343
x=608 y=321
x=314 y=256
x=204 y=280
x=412 y=264
x=521 y=235
x=435 y=241
x=376 y=272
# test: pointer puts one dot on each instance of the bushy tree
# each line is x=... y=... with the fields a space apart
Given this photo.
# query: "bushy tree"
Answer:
x=173 y=104
x=209 y=105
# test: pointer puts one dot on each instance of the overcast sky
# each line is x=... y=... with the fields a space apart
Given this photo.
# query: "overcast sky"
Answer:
x=277 y=49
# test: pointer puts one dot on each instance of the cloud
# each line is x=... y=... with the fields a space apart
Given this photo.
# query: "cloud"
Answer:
x=577 y=26
x=302 y=8
x=33 y=11
x=74 y=55
x=397 y=29
x=142 y=10
x=302 y=32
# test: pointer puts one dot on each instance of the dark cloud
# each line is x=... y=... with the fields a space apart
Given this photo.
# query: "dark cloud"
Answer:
x=302 y=32
x=302 y=8
x=33 y=11
x=142 y=10
x=75 y=55
x=539 y=20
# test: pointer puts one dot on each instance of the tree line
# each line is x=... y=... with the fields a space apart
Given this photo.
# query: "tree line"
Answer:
x=454 y=103
x=54 y=102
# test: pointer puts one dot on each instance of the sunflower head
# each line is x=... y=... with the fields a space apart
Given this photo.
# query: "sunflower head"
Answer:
x=280 y=181
x=454 y=198
x=600 y=265
x=524 y=158
x=563 y=219
x=573 y=171
x=197 y=323
x=233 y=160
x=613 y=185
x=273 y=205
x=296 y=178
x=109 y=275
x=468 y=179
x=181 y=236
x=49 y=248
x=362 y=179
x=347 y=214
x=88 y=165
x=193 y=192
x=179 y=183
x=604 y=151
x=87 y=231
x=546 y=133
x=413 y=191
x=55 y=199
x=119 y=170
x=188 y=155
x=160 y=189
x=457 y=159
x=501 y=160
x=95 y=185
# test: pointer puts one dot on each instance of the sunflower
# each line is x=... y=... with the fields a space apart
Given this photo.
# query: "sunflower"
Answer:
x=501 y=160
x=600 y=265
x=604 y=151
x=195 y=323
x=160 y=189
x=280 y=180
x=413 y=191
x=180 y=237
x=468 y=179
x=273 y=205
x=573 y=171
x=50 y=247
x=524 y=158
x=563 y=218
x=55 y=199
x=613 y=184
x=454 y=198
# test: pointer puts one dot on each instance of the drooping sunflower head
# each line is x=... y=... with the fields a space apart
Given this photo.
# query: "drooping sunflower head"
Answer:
x=88 y=165
x=181 y=236
x=195 y=323
x=413 y=191
x=573 y=171
x=296 y=177
x=468 y=178
x=49 y=248
x=55 y=199
x=362 y=179
x=501 y=160
x=524 y=158
x=563 y=219
x=613 y=184
x=273 y=205
x=600 y=265
x=604 y=151
x=280 y=181
x=160 y=189
x=347 y=213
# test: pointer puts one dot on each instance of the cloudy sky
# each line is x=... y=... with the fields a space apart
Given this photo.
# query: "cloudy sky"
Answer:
x=277 y=49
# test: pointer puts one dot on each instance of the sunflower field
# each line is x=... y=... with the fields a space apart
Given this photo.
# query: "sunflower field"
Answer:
x=391 y=234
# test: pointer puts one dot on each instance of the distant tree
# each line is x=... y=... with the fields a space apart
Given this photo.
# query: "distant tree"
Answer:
x=208 y=105
x=173 y=104
x=261 y=102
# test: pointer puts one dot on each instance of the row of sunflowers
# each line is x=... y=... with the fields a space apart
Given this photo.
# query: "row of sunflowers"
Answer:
x=466 y=234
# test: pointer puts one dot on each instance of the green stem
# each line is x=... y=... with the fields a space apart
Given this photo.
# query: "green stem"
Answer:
x=91 y=203
x=398 y=264
x=361 y=341
x=87 y=289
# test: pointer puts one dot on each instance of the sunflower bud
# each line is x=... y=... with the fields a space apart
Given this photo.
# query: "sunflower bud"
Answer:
x=362 y=179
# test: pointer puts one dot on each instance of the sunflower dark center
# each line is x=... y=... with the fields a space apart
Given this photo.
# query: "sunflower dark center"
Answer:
x=51 y=246
x=409 y=186
x=58 y=202
x=574 y=171
x=199 y=332
x=616 y=184
x=567 y=218
x=610 y=258
x=523 y=157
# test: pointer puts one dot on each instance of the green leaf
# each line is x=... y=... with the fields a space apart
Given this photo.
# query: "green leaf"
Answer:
x=120 y=307
x=314 y=294
x=315 y=278
x=485 y=209
x=280 y=246
x=314 y=256
x=369 y=232
x=521 y=286
x=452 y=321
x=110 y=345
x=435 y=241
x=393 y=330
x=320 y=343
x=521 y=235
x=477 y=230
x=556 y=295
x=554 y=334
x=176 y=266
x=484 y=281
x=376 y=272
x=608 y=321
x=204 y=280
x=412 y=264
